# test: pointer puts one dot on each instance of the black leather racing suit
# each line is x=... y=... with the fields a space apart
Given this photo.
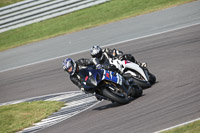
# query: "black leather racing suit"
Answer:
x=81 y=63
x=109 y=53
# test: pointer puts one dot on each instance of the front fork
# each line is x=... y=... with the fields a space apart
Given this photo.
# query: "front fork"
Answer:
x=127 y=87
x=146 y=71
x=130 y=86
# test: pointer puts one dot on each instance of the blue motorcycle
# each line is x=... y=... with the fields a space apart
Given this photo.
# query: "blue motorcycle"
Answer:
x=108 y=85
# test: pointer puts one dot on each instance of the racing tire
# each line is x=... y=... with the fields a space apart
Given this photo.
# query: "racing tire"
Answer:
x=138 y=91
x=143 y=84
x=113 y=97
x=152 y=78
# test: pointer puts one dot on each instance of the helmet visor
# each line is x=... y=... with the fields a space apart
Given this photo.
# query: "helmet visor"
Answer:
x=69 y=69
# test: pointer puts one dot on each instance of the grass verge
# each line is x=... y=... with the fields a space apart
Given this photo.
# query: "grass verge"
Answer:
x=193 y=127
x=8 y=2
x=82 y=19
x=19 y=116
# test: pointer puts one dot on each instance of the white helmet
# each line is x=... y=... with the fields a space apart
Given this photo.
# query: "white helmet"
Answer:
x=96 y=51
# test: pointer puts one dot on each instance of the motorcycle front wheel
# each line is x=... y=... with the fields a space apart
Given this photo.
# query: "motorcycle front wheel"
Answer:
x=142 y=83
x=120 y=98
x=138 y=91
x=152 y=78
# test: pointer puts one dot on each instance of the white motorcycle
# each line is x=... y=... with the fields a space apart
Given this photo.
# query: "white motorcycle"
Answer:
x=141 y=75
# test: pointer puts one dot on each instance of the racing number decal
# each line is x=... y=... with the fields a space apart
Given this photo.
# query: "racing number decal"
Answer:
x=107 y=75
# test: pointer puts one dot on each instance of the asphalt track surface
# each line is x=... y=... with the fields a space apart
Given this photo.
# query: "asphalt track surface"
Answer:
x=143 y=25
x=174 y=57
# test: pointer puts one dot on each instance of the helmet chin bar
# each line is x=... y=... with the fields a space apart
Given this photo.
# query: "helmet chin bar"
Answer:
x=73 y=69
x=69 y=63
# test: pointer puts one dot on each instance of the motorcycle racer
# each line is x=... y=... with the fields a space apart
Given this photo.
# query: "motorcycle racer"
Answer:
x=73 y=67
x=101 y=56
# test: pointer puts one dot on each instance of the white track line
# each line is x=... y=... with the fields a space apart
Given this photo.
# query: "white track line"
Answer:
x=26 y=99
x=178 y=125
x=116 y=43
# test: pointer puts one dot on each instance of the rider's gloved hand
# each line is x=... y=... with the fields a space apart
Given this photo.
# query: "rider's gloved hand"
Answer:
x=98 y=66
x=121 y=57
x=117 y=71
x=114 y=73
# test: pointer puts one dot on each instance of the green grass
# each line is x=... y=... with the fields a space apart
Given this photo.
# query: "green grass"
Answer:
x=193 y=127
x=19 y=116
x=97 y=15
x=8 y=2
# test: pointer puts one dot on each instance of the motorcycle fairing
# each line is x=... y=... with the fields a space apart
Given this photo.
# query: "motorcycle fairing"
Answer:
x=90 y=77
x=137 y=68
x=108 y=75
x=121 y=65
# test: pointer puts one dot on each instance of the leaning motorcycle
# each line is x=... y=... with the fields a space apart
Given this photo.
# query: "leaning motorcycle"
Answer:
x=141 y=75
x=108 y=85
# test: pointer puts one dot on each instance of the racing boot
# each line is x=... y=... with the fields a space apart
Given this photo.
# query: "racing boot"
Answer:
x=98 y=97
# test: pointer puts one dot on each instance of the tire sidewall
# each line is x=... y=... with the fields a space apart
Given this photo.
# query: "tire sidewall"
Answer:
x=108 y=93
